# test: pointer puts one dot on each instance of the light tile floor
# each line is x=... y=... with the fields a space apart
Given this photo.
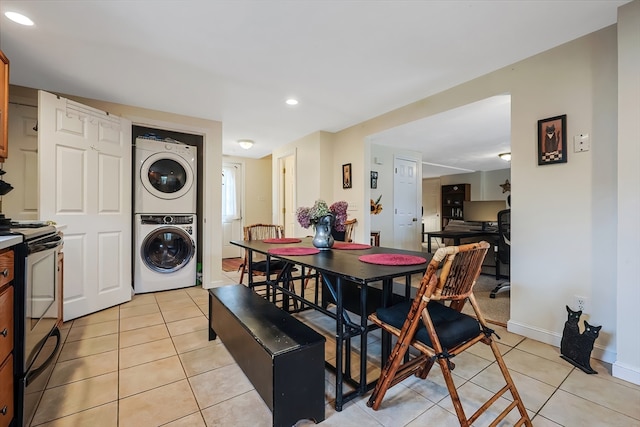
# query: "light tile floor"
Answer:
x=149 y=363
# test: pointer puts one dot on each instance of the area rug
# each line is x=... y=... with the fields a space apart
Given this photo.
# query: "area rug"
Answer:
x=231 y=264
x=495 y=310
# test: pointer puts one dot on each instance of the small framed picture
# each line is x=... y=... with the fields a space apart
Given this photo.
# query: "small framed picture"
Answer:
x=346 y=175
x=552 y=140
x=374 y=179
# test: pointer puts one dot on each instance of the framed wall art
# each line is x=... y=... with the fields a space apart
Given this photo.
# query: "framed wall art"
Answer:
x=552 y=140
x=346 y=175
x=374 y=179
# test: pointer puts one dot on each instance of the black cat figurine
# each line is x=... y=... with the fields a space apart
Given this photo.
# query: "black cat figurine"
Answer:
x=576 y=347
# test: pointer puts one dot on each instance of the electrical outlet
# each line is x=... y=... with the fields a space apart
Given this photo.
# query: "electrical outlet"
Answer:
x=580 y=303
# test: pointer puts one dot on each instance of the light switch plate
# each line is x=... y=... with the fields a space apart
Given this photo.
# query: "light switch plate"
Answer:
x=581 y=143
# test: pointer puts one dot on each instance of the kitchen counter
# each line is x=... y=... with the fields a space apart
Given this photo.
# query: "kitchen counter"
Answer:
x=8 y=241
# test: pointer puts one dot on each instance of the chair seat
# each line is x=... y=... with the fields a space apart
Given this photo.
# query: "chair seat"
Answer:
x=453 y=328
x=274 y=266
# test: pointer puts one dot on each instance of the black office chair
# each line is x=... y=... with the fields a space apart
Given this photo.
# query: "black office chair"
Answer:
x=504 y=247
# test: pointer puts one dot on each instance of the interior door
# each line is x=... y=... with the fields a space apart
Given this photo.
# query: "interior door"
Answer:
x=85 y=185
x=289 y=184
x=231 y=209
x=431 y=204
x=405 y=216
x=22 y=166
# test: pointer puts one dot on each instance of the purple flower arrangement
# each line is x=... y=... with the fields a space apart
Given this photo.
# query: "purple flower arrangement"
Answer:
x=311 y=216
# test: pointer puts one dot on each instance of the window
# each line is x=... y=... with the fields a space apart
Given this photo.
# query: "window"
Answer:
x=230 y=193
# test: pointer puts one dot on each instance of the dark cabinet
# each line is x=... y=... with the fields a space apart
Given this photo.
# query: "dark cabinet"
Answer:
x=7 y=400
x=452 y=200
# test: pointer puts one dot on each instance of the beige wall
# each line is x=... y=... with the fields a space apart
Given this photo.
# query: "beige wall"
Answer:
x=627 y=364
x=257 y=189
x=563 y=215
x=484 y=185
x=314 y=174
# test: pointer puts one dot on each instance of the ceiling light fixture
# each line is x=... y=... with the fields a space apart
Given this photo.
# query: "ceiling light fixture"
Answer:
x=505 y=156
x=245 y=143
x=292 y=101
x=19 y=18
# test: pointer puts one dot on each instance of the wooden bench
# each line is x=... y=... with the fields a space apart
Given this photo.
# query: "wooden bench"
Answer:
x=282 y=357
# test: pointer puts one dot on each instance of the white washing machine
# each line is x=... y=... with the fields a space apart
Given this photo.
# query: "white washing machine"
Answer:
x=166 y=177
x=165 y=252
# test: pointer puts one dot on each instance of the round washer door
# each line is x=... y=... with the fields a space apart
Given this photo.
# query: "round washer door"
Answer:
x=167 y=249
x=166 y=175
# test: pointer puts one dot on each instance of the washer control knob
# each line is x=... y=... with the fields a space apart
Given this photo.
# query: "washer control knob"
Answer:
x=168 y=219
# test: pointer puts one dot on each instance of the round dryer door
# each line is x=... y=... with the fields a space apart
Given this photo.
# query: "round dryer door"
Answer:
x=167 y=249
x=166 y=176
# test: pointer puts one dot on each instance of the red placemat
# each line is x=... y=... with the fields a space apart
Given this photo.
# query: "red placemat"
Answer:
x=294 y=251
x=283 y=240
x=392 y=259
x=343 y=245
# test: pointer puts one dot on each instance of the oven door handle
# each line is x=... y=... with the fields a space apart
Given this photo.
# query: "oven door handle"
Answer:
x=50 y=243
x=32 y=375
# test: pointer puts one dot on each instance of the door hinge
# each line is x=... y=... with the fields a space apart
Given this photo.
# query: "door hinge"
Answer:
x=284 y=171
x=284 y=210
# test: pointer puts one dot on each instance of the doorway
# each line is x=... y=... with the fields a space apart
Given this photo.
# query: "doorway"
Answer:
x=286 y=193
x=232 y=208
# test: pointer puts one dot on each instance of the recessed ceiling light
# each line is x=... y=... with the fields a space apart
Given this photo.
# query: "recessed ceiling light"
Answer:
x=292 y=101
x=19 y=18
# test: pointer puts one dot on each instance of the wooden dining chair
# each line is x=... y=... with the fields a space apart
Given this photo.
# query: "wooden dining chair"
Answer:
x=259 y=267
x=440 y=332
x=347 y=234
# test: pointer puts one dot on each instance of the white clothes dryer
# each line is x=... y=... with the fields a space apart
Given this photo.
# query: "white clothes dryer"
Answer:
x=165 y=252
x=166 y=177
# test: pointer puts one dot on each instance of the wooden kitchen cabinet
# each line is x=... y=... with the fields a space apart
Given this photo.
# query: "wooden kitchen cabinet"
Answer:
x=4 y=107
x=7 y=398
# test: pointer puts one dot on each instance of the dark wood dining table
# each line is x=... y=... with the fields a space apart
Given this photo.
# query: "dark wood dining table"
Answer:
x=339 y=269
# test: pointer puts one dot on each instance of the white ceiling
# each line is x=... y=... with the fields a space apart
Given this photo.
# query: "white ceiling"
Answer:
x=345 y=61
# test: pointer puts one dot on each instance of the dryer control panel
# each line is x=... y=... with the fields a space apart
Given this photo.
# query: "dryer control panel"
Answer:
x=167 y=219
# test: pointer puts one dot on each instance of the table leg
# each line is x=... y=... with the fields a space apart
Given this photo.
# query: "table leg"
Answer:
x=339 y=344
x=428 y=242
x=497 y=258
x=363 y=340
x=387 y=291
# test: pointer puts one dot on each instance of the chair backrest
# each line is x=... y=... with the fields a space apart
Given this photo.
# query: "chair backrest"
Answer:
x=504 y=229
x=349 y=225
x=263 y=231
x=346 y=235
x=453 y=272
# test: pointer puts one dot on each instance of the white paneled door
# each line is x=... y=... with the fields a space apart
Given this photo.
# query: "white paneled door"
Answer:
x=85 y=184
x=22 y=166
x=405 y=204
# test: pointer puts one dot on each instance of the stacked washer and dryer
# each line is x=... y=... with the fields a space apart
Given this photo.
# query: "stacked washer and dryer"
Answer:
x=165 y=215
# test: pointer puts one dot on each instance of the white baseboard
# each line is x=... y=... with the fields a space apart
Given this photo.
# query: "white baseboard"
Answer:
x=554 y=338
x=214 y=284
x=626 y=372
